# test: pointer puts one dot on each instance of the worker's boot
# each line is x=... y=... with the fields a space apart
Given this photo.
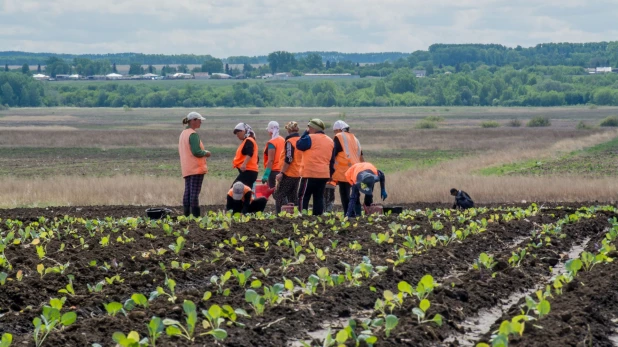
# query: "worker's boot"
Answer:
x=195 y=211
x=187 y=210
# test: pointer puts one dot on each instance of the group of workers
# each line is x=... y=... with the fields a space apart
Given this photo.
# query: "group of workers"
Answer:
x=298 y=167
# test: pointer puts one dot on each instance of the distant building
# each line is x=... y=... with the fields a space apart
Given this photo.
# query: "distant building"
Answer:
x=420 y=73
x=201 y=75
x=603 y=70
x=222 y=76
x=113 y=76
x=181 y=75
x=62 y=77
x=329 y=75
x=74 y=77
x=96 y=77
x=282 y=75
x=40 y=77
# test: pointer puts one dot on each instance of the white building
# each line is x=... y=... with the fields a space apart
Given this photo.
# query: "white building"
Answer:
x=113 y=76
x=40 y=77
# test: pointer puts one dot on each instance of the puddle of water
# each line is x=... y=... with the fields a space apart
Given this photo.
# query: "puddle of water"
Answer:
x=480 y=324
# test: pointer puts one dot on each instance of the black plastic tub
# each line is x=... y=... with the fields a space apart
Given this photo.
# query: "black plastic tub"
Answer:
x=157 y=213
x=393 y=209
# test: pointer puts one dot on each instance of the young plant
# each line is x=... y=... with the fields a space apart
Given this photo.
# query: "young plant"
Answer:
x=113 y=308
x=155 y=329
x=390 y=323
x=421 y=312
x=220 y=282
x=516 y=258
x=242 y=277
x=6 y=340
x=179 y=245
x=171 y=296
x=175 y=328
x=541 y=308
x=131 y=340
x=213 y=323
x=256 y=301
x=69 y=288
x=97 y=288
x=50 y=319
x=484 y=261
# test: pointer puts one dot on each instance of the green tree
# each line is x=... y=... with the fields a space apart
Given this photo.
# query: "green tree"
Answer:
x=313 y=61
x=403 y=80
x=281 y=61
x=25 y=69
x=380 y=88
x=38 y=68
x=136 y=69
x=213 y=65
x=6 y=67
x=8 y=96
x=56 y=66
x=114 y=70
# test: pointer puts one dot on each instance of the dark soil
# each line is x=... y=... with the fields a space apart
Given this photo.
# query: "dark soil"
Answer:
x=463 y=291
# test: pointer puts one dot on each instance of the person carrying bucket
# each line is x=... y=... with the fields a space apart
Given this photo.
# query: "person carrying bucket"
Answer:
x=289 y=177
x=347 y=152
x=362 y=177
x=240 y=200
x=247 y=155
x=272 y=157
x=192 y=162
x=318 y=149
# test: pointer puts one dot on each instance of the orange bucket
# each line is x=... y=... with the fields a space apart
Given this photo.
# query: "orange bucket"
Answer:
x=263 y=191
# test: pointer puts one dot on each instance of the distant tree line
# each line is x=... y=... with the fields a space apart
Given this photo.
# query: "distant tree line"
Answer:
x=447 y=86
x=592 y=54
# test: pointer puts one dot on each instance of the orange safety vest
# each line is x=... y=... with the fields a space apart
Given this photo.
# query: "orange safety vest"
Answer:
x=279 y=143
x=239 y=159
x=350 y=155
x=190 y=164
x=316 y=160
x=294 y=168
x=247 y=190
x=353 y=171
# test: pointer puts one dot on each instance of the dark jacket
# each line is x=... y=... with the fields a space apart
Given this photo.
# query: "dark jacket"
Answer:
x=463 y=200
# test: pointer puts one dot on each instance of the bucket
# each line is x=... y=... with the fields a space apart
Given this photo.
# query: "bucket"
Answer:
x=289 y=208
x=393 y=209
x=263 y=191
x=373 y=209
x=157 y=213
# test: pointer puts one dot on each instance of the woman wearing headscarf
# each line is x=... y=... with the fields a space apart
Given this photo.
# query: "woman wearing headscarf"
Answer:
x=346 y=153
x=192 y=162
x=247 y=155
x=287 y=188
x=272 y=155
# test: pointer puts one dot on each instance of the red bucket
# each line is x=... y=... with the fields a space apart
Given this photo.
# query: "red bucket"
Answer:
x=369 y=210
x=263 y=191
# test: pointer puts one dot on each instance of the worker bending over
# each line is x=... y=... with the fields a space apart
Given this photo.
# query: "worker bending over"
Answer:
x=362 y=177
x=462 y=199
x=240 y=200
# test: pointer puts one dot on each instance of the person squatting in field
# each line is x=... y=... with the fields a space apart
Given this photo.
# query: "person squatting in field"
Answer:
x=272 y=158
x=192 y=162
x=286 y=191
x=347 y=152
x=462 y=199
x=362 y=177
x=240 y=200
x=315 y=172
x=247 y=155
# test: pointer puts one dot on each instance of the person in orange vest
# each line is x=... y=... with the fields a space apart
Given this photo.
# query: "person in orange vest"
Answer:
x=346 y=153
x=289 y=177
x=272 y=155
x=317 y=148
x=247 y=155
x=192 y=162
x=240 y=200
x=362 y=177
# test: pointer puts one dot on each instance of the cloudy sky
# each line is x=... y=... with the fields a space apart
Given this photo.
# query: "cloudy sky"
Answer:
x=255 y=27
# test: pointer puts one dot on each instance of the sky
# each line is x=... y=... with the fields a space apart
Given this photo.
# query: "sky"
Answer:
x=258 y=27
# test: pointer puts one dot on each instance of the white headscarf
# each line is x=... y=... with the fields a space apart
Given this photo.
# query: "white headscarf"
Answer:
x=340 y=125
x=246 y=128
x=273 y=127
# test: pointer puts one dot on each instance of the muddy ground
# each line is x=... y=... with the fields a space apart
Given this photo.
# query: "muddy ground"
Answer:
x=585 y=312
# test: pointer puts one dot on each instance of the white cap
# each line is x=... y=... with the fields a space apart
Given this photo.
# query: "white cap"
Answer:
x=195 y=115
x=271 y=125
x=238 y=190
x=340 y=125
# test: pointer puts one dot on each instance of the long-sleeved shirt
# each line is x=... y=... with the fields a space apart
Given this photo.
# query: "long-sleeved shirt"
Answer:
x=289 y=149
x=336 y=150
x=304 y=144
x=194 y=143
x=355 y=193
x=463 y=200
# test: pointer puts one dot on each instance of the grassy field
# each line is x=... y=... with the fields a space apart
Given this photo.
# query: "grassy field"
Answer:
x=113 y=155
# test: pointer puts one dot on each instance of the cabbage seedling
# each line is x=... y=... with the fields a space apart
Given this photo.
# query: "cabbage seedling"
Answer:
x=573 y=266
x=271 y=294
x=6 y=340
x=50 y=319
x=171 y=285
x=256 y=301
x=113 y=308
x=131 y=340
x=421 y=311
x=175 y=328
x=390 y=324
x=242 y=277
x=179 y=245
x=155 y=329
x=213 y=322
x=220 y=282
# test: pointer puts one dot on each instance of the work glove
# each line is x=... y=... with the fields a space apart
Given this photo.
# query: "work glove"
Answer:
x=266 y=175
x=383 y=194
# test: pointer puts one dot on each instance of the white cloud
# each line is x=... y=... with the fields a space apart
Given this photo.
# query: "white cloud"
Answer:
x=252 y=27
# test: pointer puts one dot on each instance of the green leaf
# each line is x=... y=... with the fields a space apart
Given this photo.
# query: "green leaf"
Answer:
x=405 y=287
x=214 y=311
x=250 y=295
x=129 y=305
x=207 y=296
x=56 y=303
x=342 y=336
x=68 y=318
x=323 y=272
x=482 y=344
x=119 y=337
x=256 y=284
x=133 y=336
x=188 y=306
x=140 y=299
x=172 y=330
x=424 y=305
x=219 y=334
x=418 y=312
x=6 y=340
x=391 y=321
x=437 y=319
x=36 y=322
x=543 y=307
